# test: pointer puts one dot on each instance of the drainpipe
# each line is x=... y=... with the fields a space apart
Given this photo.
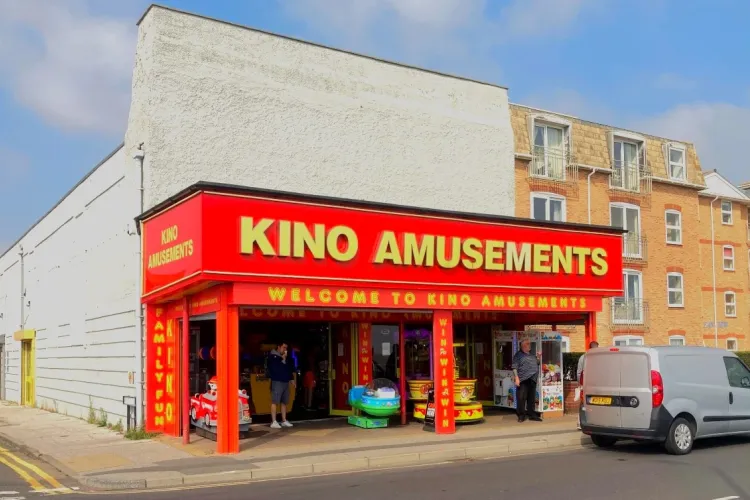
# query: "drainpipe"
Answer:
x=588 y=187
x=139 y=403
x=713 y=272
x=23 y=292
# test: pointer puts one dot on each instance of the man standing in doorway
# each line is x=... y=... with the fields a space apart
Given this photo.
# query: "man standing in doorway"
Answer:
x=281 y=373
x=526 y=371
x=581 y=365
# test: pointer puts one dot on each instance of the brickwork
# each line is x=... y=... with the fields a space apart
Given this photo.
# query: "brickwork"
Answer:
x=589 y=149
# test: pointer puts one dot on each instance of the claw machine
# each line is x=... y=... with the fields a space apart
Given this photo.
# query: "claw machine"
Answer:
x=505 y=345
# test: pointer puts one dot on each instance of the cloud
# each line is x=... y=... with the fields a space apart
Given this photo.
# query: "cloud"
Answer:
x=69 y=65
x=674 y=82
x=717 y=129
x=452 y=35
x=13 y=166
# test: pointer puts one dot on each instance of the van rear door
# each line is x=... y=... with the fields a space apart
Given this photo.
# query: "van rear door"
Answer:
x=601 y=385
x=635 y=389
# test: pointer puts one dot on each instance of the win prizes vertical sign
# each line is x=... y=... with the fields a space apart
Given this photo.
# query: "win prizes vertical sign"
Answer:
x=445 y=421
x=364 y=349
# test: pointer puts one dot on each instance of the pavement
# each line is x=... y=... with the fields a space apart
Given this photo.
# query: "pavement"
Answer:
x=100 y=459
x=716 y=470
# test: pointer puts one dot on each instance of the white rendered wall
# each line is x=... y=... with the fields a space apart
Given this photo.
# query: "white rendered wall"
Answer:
x=217 y=102
x=80 y=274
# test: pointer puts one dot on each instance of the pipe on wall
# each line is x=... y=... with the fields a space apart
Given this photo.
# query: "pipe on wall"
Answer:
x=588 y=190
x=139 y=156
x=713 y=272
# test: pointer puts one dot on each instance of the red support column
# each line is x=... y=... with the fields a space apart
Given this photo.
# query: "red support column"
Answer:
x=442 y=359
x=185 y=372
x=402 y=370
x=227 y=373
x=590 y=329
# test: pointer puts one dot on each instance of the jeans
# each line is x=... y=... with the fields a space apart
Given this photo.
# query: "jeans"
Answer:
x=525 y=405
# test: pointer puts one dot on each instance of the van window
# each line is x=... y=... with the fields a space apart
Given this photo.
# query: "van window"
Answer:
x=737 y=372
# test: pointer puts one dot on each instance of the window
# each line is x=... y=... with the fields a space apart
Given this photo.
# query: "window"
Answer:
x=728 y=256
x=726 y=212
x=673 y=221
x=737 y=372
x=627 y=158
x=627 y=217
x=565 y=343
x=676 y=340
x=625 y=340
x=628 y=309
x=677 y=163
x=549 y=151
x=545 y=206
x=731 y=344
x=730 y=305
x=674 y=290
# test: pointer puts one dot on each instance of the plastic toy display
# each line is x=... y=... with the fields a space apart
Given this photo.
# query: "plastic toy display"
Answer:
x=203 y=414
x=374 y=403
x=549 y=395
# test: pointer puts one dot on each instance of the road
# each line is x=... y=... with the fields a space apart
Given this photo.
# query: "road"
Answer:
x=25 y=477
x=715 y=470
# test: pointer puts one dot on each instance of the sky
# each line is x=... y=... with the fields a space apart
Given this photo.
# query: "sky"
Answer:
x=677 y=69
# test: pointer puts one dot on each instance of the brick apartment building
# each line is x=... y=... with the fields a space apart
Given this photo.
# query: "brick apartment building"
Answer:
x=573 y=170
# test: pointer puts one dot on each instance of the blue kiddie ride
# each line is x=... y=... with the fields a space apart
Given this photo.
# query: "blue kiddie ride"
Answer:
x=374 y=403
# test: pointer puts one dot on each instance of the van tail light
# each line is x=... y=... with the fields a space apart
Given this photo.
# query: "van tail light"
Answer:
x=657 y=389
x=580 y=385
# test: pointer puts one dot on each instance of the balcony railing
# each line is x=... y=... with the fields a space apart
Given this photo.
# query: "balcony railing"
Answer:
x=634 y=247
x=629 y=312
x=630 y=177
x=554 y=164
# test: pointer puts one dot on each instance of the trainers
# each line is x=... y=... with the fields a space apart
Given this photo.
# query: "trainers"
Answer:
x=275 y=425
x=286 y=424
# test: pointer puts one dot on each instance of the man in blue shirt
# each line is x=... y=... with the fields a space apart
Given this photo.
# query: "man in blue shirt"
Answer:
x=526 y=372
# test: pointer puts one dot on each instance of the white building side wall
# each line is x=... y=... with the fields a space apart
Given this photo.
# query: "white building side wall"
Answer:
x=222 y=103
x=80 y=272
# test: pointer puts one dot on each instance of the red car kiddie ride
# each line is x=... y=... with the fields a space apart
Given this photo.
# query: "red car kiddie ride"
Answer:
x=203 y=408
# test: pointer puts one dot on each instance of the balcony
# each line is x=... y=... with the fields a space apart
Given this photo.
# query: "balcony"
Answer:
x=552 y=164
x=630 y=177
x=634 y=247
x=629 y=313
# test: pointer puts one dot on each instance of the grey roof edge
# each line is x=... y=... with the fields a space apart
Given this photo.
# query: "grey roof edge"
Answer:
x=70 y=191
x=320 y=45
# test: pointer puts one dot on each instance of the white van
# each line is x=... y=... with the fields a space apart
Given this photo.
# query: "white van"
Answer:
x=671 y=395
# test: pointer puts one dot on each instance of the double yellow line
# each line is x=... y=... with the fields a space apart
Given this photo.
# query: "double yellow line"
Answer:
x=38 y=479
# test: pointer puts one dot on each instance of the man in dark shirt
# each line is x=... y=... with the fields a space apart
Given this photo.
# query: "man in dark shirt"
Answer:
x=526 y=372
x=281 y=373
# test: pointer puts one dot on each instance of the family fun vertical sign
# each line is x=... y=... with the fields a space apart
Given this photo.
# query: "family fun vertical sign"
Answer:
x=442 y=345
x=161 y=354
x=364 y=350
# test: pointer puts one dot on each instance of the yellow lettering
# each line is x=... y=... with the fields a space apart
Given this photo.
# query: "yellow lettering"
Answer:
x=431 y=300
x=455 y=253
x=170 y=383
x=276 y=294
x=599 y=260
x=342 y=296
x=420 y=254
x=486 y=301
x=295 y=295
x=493 y=251
x=562 y=259
x=518 y=260
x=474 y=258
x=252 y=234
x=465 y=300
x=359 y=298
x=396 y=296
x=498 y=301
x=325 y=296
x=542 y=303
x=374 y=298
x=170 y=412
x=303 y=238
x=541 y=258
x=158 y=421
x=351 y=243
x=308 y=296
x=410 y=298
x=285 y=238
x=159 y=338
x=581 y=253
x=388 y=249
x=169 y=235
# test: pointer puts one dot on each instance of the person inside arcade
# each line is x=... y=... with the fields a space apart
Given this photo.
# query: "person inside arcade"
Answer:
x=282 y=374
x=526 y=371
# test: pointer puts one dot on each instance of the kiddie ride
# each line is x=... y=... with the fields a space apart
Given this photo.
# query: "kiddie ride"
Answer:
x=374 y=403
x=203 y=414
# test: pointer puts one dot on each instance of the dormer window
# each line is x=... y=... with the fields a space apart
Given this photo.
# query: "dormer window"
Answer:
x=676 y=162
x=550 y=147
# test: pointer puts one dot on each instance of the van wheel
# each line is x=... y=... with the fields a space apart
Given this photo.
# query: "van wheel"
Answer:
x=680 y=438
x=603 y=441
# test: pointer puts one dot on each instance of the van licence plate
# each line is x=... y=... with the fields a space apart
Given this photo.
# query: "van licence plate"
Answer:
x=599 y=401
